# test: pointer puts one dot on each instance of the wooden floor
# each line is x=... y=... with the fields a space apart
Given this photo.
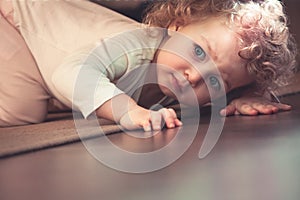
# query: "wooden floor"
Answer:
x=256 y=158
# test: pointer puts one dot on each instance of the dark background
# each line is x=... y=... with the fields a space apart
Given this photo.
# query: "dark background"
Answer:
x=292 y=8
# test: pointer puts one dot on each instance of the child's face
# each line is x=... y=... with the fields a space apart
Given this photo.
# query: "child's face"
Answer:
x=206 y=58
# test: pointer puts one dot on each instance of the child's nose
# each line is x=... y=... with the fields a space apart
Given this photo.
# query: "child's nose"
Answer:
x=194 y=77
x=197 y=74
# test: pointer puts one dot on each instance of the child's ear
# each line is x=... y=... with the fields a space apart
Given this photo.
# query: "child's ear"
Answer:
x=173 y=28
x=176 y=25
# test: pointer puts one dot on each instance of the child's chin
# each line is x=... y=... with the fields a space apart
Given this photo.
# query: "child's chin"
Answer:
x=167 y=91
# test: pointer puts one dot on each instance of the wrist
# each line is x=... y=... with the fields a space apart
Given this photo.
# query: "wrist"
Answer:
x=116 y=107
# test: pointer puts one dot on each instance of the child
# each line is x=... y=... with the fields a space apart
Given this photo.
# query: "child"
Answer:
x=247 y=42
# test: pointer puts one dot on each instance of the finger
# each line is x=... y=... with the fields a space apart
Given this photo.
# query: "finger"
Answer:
x=228 y=110
x=266 y=109
x=236 y=112
x=156 y=120
x=176 y=120
x=246 y=109
x=274 y=108
x=282 y=106
x=169 y=117
x=147 y=128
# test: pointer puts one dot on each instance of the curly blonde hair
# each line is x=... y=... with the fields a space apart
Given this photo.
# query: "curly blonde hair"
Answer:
x=266 y=43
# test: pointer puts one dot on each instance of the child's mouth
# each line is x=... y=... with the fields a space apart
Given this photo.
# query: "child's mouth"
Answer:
x=175 y=84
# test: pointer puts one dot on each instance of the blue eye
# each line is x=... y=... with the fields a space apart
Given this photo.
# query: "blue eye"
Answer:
x=214 y=83
x=199 y=52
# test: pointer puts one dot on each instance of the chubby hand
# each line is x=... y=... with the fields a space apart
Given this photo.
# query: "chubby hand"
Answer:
x=149 y=120
x=253 y=106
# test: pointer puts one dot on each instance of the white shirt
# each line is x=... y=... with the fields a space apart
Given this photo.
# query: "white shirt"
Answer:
x=71 y=38
x=88 y=77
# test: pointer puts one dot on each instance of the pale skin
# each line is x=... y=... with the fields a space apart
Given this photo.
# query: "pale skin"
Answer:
x=193 y=72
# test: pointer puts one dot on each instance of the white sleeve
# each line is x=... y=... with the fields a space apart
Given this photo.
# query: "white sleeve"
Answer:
x=86 y=77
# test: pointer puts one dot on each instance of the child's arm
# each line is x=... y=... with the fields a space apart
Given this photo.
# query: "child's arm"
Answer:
x=124 y=110
x=87 y=80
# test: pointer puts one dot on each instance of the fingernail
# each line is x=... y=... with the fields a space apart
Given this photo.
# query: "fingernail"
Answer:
x=147 y=128
x=223 y=112
x=171 y=125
